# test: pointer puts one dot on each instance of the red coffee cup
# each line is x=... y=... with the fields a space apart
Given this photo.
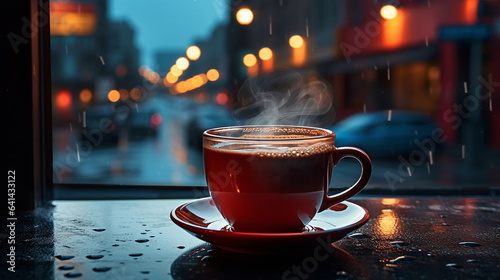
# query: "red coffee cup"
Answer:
x=275 y=178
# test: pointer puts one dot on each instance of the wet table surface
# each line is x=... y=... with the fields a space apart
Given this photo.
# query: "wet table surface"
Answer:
x=407 y=238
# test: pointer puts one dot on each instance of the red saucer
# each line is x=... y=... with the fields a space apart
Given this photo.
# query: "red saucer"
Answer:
x=202 y=219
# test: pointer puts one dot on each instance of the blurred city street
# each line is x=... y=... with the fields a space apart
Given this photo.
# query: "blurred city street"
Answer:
x=163 y=159
x=167 y=159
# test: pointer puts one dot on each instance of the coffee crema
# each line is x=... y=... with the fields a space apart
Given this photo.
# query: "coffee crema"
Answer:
x=270 y=136
x=274 y=152
x=289 y=132
x=268 y=132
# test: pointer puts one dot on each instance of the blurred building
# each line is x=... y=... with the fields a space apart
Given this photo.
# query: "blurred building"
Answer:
x=122 y=55
x=437 y=57
x=90 y=55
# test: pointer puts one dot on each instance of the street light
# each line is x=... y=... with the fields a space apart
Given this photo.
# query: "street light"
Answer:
x=299 y=50
x=193 y=53
x=182 y=63
x=113 y=95
x=388 y=12
x=171 y=78
x=265 y=53
x=213 y=75
x=64 y=100
x=296 y=41
x=85 y=95
x=174 y=70
x=244 y=16
x=249 y=60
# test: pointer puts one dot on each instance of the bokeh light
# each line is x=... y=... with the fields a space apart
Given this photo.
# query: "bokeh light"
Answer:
x=388 y=12
x=265 y=53
x=193 y=53
x=121 y=70
x=182 y=63
x=85 y=95
x=244 y=16
x=63 y=100
x=135 y=94
x=296 y=41
x=212 y=75
x=171 y=78
x=123 y=94
x=221 y=98
x=113 y=95
x=174 y=70
x=249 y=60
x=156 y=119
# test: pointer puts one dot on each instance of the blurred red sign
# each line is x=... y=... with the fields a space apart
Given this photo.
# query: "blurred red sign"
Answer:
x=72 y=18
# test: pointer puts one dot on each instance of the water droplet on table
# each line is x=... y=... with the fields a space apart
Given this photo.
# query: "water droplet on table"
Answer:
x=453 y=265
x=141 y=240
x=94 y=257
x=73 y=274
x=470 y=244
x=99 y=229
x=101 y=269
x=399 y=243
x=207 y=258
x=472 y=261
x=402 y=259
x=64 y=258
x=359 y=235
x=181 y=247
x=66 y=267
x=135 y=254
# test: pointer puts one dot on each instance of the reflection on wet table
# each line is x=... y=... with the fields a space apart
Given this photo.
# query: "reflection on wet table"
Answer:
x=419 y=237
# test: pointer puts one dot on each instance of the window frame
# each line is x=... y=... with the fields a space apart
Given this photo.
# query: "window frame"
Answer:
x=27 y=94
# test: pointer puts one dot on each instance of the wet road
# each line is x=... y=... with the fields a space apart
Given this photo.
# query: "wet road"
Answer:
x=164 y=159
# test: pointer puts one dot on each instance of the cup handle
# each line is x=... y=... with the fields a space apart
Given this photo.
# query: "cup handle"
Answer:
x=366 y=171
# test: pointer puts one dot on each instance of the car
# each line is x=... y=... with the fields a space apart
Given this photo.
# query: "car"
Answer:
x=386 y=133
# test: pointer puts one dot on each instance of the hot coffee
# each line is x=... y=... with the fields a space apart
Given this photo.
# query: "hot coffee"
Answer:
x=273 y=179
x=284 y=188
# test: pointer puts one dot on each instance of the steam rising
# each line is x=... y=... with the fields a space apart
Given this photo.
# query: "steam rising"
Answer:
x=286 y=99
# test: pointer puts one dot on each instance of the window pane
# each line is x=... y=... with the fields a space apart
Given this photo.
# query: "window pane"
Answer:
x=120 y=114
x=135 y=83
